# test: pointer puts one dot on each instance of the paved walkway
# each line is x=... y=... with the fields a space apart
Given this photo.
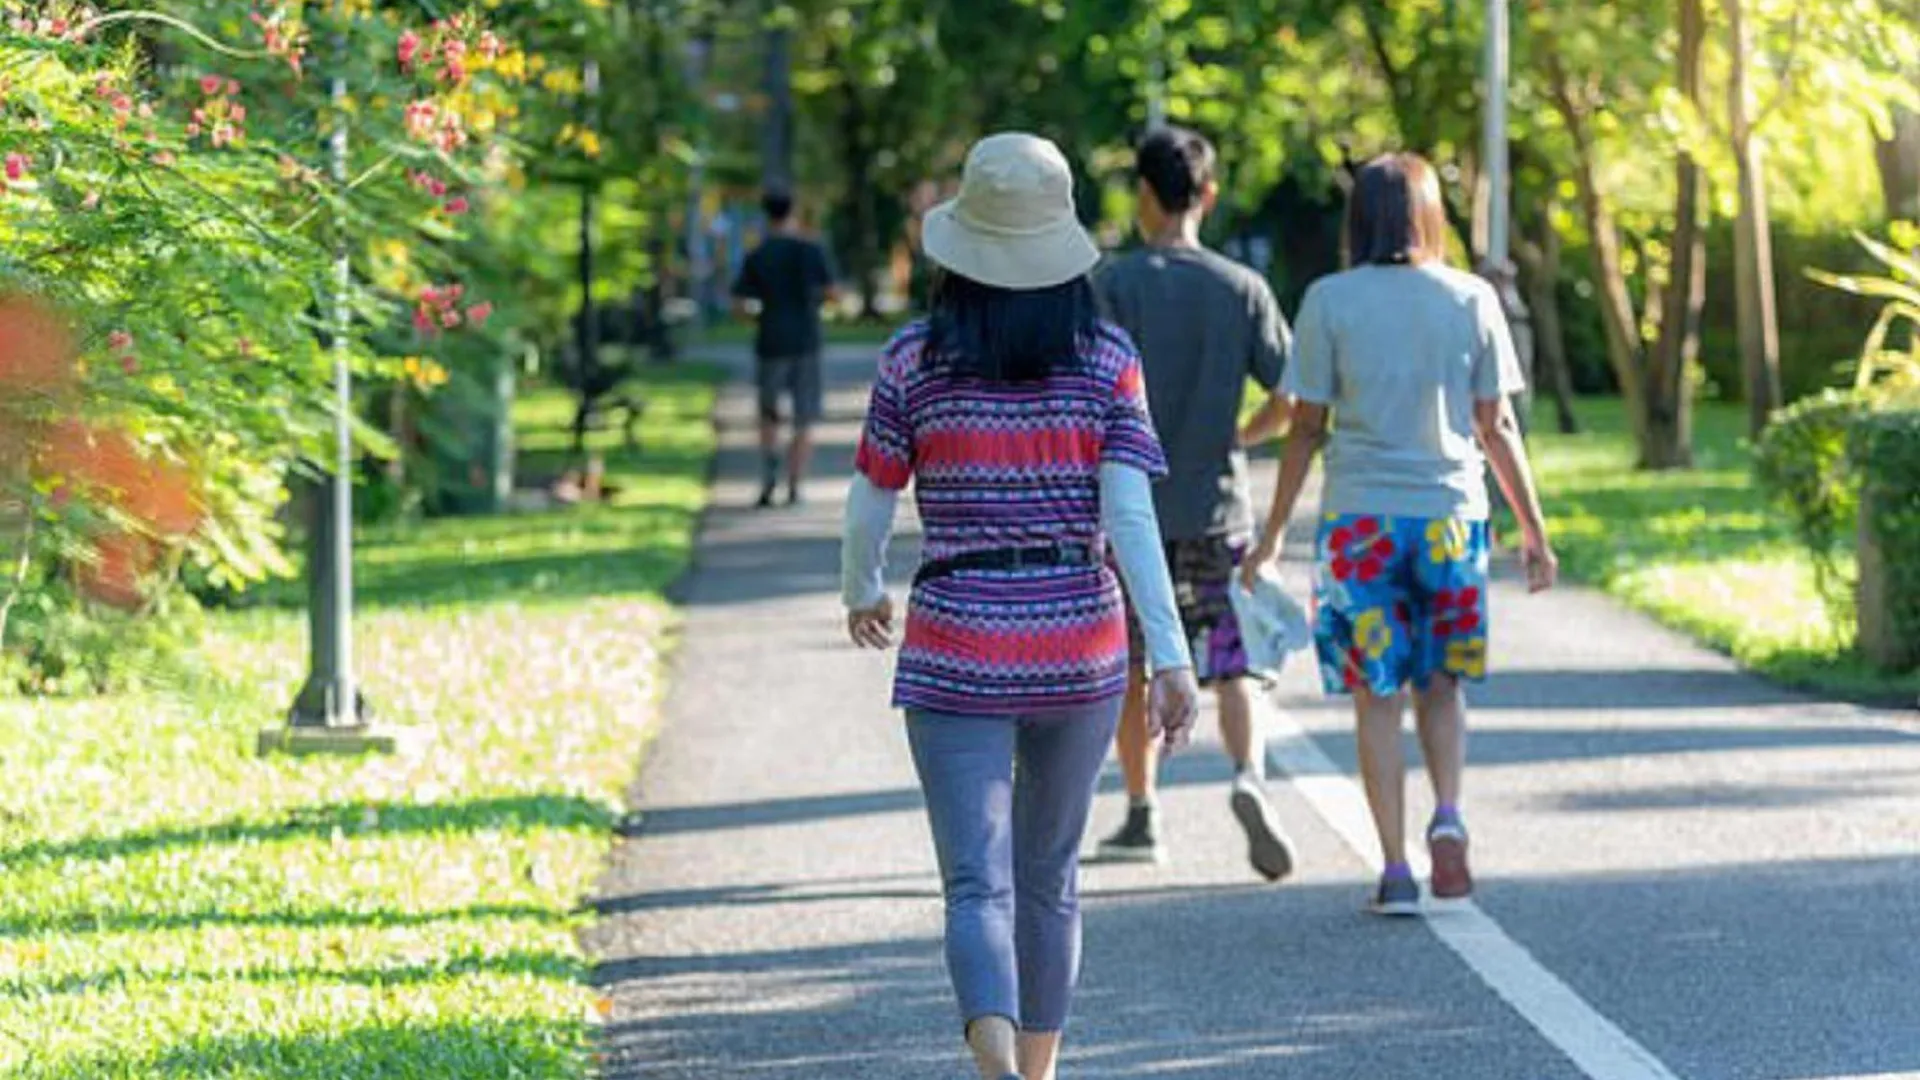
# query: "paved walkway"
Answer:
x=1685 y=872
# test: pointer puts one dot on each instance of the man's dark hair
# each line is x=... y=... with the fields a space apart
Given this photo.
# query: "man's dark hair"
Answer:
x=1394 y=215
x=1010 y=335
x=1177 y=163
x=778 y=205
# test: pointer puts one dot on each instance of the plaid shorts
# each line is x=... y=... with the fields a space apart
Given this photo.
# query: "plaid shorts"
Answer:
x=1203 y=572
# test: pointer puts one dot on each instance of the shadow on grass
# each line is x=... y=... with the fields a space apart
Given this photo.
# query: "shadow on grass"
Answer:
x=546 y=965
x=468 y=1048
x=121 y=920
x=505 y=813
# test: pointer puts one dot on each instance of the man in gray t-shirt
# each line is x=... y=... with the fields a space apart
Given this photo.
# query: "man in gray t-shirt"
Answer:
x=1204 y=325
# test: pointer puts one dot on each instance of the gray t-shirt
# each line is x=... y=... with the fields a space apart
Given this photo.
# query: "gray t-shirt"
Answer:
x=1401 y=353
x=1204 y=324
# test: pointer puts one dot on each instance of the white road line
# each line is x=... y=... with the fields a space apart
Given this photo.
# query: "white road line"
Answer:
x=1592 y=1042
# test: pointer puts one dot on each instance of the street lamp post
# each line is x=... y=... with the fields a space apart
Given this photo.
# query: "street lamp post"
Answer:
x=1497 y=260
x=330 y=715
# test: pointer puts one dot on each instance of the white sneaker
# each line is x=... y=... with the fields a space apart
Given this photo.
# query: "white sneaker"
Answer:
x=1268 y=847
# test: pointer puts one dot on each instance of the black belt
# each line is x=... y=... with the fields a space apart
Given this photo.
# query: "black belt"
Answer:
x=1028 y=558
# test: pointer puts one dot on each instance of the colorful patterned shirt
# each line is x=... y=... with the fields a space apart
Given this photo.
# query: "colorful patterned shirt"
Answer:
x=1009 y=465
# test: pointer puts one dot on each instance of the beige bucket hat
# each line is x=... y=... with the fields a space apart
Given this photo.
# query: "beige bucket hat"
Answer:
x=1013 y=224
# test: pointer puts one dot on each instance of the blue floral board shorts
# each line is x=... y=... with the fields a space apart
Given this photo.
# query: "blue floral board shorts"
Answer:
x=1399 y=600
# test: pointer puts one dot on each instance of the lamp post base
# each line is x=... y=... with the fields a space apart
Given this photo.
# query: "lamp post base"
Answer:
x=301 y=741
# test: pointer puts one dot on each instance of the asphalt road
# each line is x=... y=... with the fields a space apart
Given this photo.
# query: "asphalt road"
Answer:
x=1684 y=872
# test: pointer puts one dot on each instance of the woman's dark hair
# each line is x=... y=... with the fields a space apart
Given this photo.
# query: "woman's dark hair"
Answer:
x=1010 y=335
x=1394 y=215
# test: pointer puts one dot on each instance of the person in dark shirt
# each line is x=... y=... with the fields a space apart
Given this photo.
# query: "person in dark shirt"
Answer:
x=790 y=277
x=1205 y=325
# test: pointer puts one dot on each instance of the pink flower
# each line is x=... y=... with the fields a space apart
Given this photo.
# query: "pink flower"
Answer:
x=409 y=48
x=128 y=364
x=209 y=84
x=91 y=202
x=16 y=167
x=119 y=341
x=450 y=318
x=457 y=205
x=480 y=312
x=423 y=319
x=420 y=117
x=233 y=86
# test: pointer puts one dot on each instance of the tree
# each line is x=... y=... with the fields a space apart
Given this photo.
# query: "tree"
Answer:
x=1649 y=351
x=1757 y=315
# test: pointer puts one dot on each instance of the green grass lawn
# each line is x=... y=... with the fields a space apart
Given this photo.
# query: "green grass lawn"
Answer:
x=1700 y=549
x=172 y=906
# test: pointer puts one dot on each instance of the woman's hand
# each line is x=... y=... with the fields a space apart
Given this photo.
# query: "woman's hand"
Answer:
x=1267 y=550
x=1542 y=566
x=872 y=627
x=1173 y=703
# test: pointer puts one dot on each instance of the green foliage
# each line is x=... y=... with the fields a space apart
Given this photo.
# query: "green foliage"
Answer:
x=177 y=907
x=1801 y=461
x=168 y=191
x=1885 y=448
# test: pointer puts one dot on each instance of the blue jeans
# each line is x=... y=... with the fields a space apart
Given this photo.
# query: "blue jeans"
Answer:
x=1007 y=797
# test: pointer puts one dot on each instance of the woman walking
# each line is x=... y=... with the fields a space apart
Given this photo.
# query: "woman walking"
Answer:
x=1413 y=361
x=1020 y=418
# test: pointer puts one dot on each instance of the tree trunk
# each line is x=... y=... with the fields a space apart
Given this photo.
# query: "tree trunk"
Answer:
x=1539 y=260
x=1669 y=387
x=1616 y=303
x=777 y=135
x=1899 y=162
x=857 y=158
x=1660 y=411
x=1755 y=314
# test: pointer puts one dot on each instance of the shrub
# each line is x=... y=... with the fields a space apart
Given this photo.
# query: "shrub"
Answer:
x=1801 y=461
x=1885 y=449
x=1820 y=457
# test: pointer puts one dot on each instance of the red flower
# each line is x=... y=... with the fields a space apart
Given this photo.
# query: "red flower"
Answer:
x=210 y=84
x=16 y=167
x=1355 y=669
x=408 y=49
x=457 y=205
x=1360 y=550
x=119 y=341
x=479 y=313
